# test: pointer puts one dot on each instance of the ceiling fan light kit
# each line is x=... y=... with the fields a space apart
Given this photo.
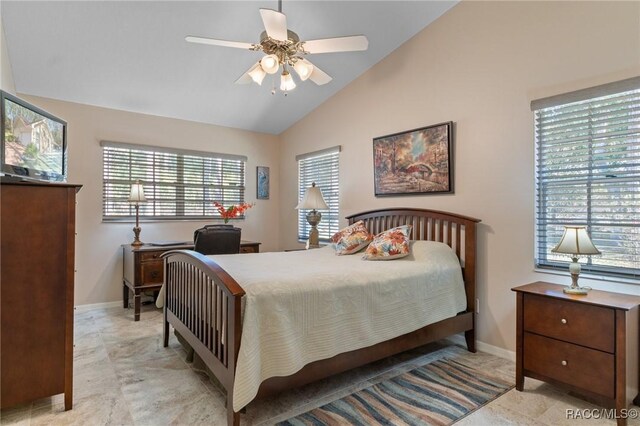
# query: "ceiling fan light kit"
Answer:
x=286 y=82
x=283 y=48
x=304 y=69
x=257 y=74
x=270 y=64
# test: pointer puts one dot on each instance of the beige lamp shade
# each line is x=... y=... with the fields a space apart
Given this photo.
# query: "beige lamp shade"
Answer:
x=313 y=199
x=257 y=74
x=304 y=69
x=270 y=64
x=137 y=194
x=576 y=241
x=286 y=81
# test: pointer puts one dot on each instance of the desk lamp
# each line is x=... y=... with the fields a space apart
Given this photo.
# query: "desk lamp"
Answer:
x=136 y=198
x=576 y=243
x=313 y=200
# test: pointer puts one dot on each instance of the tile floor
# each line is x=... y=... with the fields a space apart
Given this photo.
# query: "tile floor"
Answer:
x=123 y=376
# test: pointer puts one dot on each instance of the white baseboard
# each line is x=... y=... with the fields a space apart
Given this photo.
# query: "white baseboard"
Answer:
x=495 y=350
x=91 y=306
x=485 y=347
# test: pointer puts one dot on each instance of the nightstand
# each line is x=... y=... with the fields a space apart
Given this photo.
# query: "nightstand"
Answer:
x=586 y=344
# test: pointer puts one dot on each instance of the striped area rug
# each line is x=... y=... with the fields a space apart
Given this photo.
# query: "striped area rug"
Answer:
x=438 y=393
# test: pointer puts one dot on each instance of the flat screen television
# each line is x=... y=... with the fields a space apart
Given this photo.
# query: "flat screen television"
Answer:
x=34 y=142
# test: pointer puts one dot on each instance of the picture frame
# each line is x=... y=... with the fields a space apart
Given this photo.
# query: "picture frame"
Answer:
x=414 y=162
x=262 y=182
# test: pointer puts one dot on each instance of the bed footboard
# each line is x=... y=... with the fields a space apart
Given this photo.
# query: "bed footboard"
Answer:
x=203 y=304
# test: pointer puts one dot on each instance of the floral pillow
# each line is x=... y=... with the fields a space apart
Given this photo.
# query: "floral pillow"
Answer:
x=390 y=244
x=351 y=239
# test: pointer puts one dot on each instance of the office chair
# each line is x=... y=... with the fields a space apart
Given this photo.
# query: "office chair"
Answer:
x=217 y=239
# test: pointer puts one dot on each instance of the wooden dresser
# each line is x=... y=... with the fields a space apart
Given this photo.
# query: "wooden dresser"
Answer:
x=587 y=344
x=37 y=275
x=143 y=269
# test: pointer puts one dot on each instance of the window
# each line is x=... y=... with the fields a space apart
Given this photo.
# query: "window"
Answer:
x=178 y=184
x=322 y=168
x=588 y=173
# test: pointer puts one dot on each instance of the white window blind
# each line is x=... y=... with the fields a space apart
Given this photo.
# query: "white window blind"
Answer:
x=321 y=167
x=178 y=184
x=588 y=173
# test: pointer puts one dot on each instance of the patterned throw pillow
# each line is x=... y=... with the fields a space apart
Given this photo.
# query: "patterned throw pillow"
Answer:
x=390 y=244
x=351 y=239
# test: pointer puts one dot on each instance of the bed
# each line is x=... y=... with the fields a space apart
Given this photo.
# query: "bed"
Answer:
x=214 y=313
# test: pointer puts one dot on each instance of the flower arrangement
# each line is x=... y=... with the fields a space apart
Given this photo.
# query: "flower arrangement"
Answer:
x=232 y=211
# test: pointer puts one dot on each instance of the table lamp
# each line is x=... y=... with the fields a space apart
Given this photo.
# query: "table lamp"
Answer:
x=136 y=198
x=313 y=200
x=576 y=243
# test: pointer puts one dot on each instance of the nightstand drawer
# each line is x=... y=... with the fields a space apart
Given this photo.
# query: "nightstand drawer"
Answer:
x=586 y=325
x=150 y=255
x=574 y=365
x=152 y=272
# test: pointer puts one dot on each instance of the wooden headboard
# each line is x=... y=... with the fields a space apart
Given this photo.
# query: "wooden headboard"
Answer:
x=457 y=231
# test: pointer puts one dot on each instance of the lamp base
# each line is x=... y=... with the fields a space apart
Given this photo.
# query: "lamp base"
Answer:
x=576 y=290
x=311 y=246
x=136 y=237
x=313 y=217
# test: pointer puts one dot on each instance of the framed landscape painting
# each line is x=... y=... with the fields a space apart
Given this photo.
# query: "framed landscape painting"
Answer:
x=262 y=174
x=414 y=162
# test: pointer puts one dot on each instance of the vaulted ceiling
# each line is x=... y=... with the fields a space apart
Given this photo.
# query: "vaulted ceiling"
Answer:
x=132 y=56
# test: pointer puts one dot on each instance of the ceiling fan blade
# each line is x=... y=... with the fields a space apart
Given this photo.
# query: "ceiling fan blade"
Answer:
x=275 y=23
x=246 y=78
x=216 y=42
x=319 y=77
x=337 y=44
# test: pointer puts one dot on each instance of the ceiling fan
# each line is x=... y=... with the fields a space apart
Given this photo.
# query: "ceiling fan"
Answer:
x=283 y=48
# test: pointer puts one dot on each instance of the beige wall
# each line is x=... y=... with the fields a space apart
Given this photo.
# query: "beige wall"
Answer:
x=479 y=65
x=98 y=252
x=6 y=73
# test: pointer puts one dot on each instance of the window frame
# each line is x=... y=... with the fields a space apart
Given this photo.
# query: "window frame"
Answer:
x=598 y=184
x=186 y=162
x=330 y=188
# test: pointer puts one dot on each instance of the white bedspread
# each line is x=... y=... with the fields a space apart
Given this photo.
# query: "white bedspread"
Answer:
x=304 y=306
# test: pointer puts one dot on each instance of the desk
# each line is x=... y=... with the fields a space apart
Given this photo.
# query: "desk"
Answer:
x=143 y=269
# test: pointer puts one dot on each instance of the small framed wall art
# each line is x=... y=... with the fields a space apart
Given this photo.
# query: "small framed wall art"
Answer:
x=417 y=161
x=262 y=174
